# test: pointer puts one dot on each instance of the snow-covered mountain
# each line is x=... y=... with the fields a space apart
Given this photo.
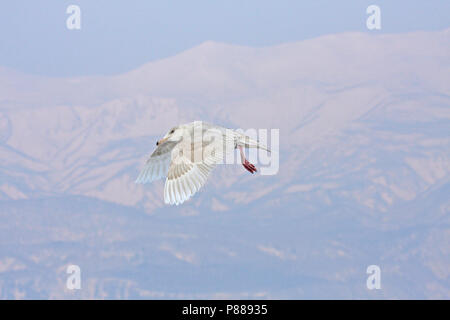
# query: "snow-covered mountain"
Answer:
x=364 y=174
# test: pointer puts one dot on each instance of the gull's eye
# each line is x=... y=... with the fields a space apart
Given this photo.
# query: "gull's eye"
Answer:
x=172 y=131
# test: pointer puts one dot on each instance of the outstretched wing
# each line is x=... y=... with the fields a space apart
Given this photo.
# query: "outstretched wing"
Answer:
x=192 y=162
x=157 y=165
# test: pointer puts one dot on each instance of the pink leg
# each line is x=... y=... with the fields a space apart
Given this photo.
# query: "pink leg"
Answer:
x=247 y=165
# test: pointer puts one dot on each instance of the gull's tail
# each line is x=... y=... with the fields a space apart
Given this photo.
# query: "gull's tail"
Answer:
x=250 y=143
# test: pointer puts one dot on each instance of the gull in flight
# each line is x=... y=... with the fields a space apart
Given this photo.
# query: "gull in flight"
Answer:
x=188 y=153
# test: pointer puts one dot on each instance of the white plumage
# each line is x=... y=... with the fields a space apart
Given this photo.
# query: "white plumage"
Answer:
x=188 y=153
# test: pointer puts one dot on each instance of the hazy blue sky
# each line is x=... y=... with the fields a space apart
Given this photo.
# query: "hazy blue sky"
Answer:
x=117 y=36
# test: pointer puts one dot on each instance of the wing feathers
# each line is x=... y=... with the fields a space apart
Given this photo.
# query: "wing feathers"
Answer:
x=157 y=165
x=186 y=181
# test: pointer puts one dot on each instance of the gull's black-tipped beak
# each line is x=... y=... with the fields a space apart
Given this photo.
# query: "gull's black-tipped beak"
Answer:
x=161 y=141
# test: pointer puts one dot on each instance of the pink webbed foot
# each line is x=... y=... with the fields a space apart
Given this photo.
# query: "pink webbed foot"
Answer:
x=249 y=166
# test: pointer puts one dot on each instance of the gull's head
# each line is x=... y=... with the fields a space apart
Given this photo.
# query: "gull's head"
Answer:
x=175 y=134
